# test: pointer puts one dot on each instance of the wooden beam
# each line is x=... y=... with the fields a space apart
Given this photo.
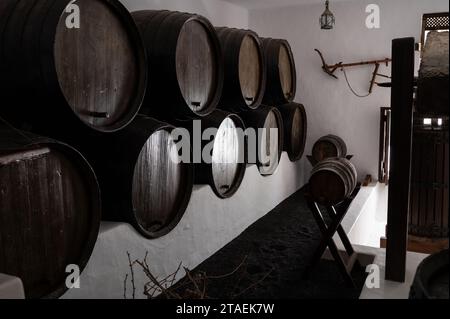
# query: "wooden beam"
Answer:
x=400 y=167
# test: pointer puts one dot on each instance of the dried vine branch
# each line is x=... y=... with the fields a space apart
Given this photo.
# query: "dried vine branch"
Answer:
x=192 y=286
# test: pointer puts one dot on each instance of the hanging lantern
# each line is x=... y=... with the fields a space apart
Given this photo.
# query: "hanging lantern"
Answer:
x=327 y=19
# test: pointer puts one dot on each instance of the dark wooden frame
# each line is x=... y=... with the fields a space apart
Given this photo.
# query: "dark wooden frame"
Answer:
x=400 y=163
x=328 y=231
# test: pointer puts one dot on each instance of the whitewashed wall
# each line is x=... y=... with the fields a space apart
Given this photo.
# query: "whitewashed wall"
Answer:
x=331 y=107
x=208 y=224
x=220 y=13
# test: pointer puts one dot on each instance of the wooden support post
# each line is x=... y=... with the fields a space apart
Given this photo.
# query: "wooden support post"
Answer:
x=400 y=168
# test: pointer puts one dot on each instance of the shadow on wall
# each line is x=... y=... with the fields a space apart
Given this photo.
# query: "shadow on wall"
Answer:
x=220 y=13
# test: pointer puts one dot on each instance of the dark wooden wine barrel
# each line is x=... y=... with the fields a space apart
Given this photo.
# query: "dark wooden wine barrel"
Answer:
x=332 y=181
x=329 y=146
x=49 y=211
x=432 y=84
x=224 y=167
x=431 y=279
x=185 y=64
x=265 y=148
x=245 y=69
x=429 y=210
x=59 y=78
x=295 y=124
x=141 y=175
x=281 y=72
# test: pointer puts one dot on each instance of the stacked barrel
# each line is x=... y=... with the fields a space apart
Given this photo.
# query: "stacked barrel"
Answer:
x=429 y=209
x=333 y=178
x=122 y=88
x=260 y=85
x=64 y=81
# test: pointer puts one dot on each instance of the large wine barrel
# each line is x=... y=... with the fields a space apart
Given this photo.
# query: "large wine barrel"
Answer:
x=266 y=147
x=429 y=210
x=281 y=72
x=56 y=77
x=329 y=146
x=295 y=124
x=141 y=175
x=245 y=69
x=332 y=181
x=431 y=279
x=225 y=168
x=185 y=64
x=432 y=85
x=49 y=211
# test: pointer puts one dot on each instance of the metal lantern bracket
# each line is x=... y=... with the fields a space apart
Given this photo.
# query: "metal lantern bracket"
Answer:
x=331 y=69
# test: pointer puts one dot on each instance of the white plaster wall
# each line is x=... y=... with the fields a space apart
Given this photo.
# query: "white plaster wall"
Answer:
x=372 y=220
x=208 y=224
x=331 y=107
x=220 y=13
x=366 y=219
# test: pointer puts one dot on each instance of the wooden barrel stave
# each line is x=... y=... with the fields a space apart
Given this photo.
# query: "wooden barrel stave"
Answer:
x=140 y=184
x=186 y=78
x=276 y=92
x=245 y=69
x=329 y=146
x=44 y=63
x=295 y=129
x=224 y=177
x=49 y=211
x=431 y=278
x=259 y=119
x=332 y=181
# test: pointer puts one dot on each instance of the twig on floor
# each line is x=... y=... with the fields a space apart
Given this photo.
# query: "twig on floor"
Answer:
x=253 y=285
x=132 y=276
x=125 y=287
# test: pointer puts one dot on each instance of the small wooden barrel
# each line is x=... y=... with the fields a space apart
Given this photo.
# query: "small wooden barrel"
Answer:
x=429 y=210
x=295 y=124
x=329 y=146
x=49 y=211
x=265 y=147
x=281 y=72
x=332 y=181
x=58 y=76
x=432 y=85
x=245 y=69
x=185 y=64
x=225 y=169
x=142 y=178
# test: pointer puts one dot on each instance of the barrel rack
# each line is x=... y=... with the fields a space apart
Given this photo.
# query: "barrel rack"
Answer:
x=336 y=216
